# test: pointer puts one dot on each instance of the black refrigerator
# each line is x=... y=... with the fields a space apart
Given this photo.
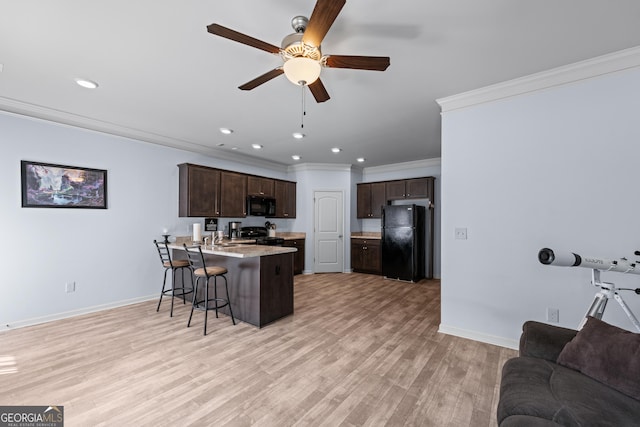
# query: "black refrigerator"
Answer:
x=403 y=242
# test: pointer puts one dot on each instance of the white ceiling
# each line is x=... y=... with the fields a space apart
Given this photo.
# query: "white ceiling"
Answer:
x=164 y=79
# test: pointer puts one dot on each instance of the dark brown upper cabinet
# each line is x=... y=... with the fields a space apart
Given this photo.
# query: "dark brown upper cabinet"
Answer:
x=199 y=191
x=210 y=192
x=259 y=186
x=415 y=188
x=285 y=195
x=371 y=197
x=233 y=194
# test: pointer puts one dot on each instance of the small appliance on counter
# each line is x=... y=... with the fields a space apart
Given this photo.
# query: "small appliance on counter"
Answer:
x=234 y=229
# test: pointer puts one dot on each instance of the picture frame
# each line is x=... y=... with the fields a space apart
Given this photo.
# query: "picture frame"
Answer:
x=48 y=185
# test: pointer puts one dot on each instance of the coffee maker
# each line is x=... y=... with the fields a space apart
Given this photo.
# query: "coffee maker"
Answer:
x=234 y=229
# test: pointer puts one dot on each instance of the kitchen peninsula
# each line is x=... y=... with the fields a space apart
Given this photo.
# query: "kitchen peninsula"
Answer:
x=260 y=278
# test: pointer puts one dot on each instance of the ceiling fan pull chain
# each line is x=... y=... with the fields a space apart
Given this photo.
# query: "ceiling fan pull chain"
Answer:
x=304 y=112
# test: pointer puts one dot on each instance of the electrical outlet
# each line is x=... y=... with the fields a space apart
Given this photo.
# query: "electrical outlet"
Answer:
x=553 y=315
x=461 y=234
x=70 y=287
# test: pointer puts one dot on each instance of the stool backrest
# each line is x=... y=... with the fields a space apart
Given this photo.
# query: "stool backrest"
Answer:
x=195 y=256
x=165 y=254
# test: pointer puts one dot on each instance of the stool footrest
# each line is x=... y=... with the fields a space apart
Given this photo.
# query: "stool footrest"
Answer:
x=200 y=305
x=185 y=292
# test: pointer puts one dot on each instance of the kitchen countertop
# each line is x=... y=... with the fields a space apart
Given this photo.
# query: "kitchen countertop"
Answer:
x=366 y=235
x=239 y=251
x=240 y=248
x=291 y=235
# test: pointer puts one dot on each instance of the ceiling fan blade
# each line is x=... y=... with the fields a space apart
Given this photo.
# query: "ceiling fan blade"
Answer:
x=376 y=63
x=322 y=17
x=230 y=34
x=319 y=92
x=261 y=79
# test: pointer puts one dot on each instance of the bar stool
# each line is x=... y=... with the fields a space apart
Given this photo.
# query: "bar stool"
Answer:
x=200 y=270
x=173 y=265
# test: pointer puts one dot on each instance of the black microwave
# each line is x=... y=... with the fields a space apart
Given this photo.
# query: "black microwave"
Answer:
x=261 y=206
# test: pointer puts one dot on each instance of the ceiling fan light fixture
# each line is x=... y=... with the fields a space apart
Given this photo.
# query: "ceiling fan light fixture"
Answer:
x=301 y=70
x=298 y=135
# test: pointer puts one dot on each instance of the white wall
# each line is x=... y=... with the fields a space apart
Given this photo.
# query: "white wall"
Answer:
x=557 y=167
x=108 y=253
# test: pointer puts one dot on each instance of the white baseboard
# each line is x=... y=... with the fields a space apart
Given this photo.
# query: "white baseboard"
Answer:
x=85 y=310
x=477 y=336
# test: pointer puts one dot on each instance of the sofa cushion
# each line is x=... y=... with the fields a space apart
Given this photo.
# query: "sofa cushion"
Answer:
x=544 y=341
x=606 y=353
x=535 y=389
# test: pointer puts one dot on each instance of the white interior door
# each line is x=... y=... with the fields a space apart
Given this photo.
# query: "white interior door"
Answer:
x=329 y=223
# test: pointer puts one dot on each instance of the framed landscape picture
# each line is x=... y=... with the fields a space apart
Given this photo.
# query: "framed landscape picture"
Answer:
x=46 y=185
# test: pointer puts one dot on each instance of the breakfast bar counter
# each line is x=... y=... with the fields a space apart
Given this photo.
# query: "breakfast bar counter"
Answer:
x=260 y=279
x=239 y=250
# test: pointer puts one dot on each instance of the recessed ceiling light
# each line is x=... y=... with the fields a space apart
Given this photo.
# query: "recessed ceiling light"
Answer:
x=298 y=135
x=256 y=146
x=361 y=159
x=87 y=83
x=295 y=157
x=226 y=131
x=336 y=149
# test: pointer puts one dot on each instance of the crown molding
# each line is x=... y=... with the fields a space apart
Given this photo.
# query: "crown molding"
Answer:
x=600 y=65
x=395 y=167
x=326 y=167
x=33 y=111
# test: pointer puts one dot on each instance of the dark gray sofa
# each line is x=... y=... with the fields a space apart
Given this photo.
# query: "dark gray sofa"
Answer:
x=536 y=391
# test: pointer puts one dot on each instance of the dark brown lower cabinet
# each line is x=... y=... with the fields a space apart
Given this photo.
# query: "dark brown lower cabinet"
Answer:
x=276 y=287
x=366 y=256
x=298 y=257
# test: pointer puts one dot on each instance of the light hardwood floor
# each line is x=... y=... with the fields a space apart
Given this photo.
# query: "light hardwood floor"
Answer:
x=358 y=351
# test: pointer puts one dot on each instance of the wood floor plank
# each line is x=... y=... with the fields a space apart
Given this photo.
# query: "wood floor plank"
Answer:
x=358 y=351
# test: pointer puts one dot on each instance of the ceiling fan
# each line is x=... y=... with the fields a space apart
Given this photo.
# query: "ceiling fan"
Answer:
x=300 y=51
